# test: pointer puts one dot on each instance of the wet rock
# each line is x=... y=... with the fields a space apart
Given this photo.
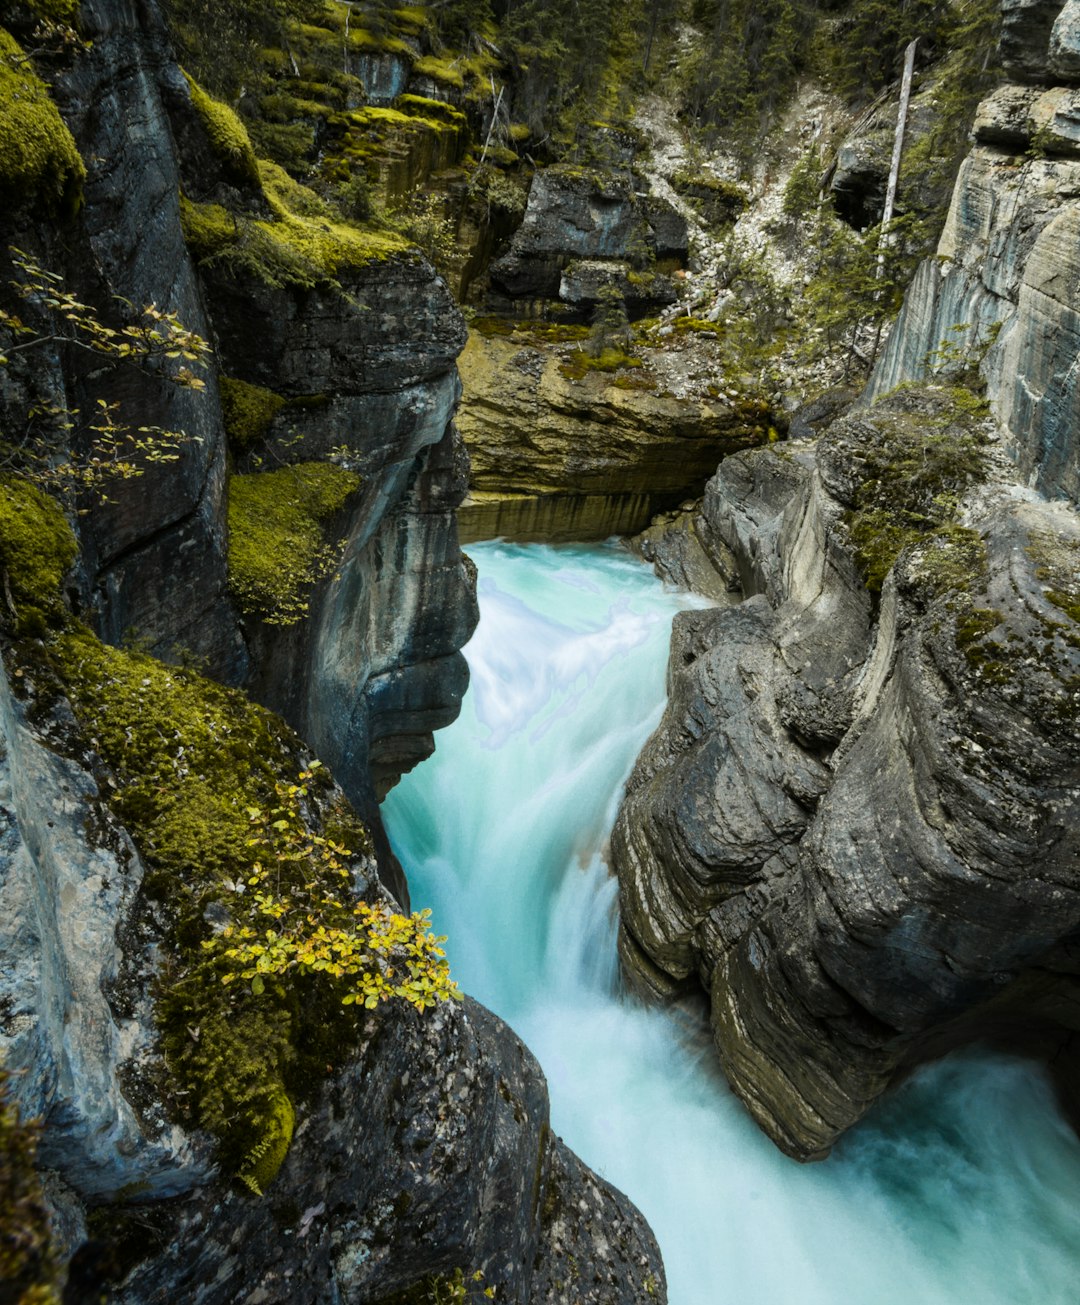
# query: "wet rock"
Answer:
x=674 y=545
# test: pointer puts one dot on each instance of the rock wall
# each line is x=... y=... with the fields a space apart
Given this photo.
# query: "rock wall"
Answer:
x=1000 y=294
x=429 y=1152
x=856 y=826
x=561 y=451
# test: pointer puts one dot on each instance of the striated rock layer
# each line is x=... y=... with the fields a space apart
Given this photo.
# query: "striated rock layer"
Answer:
x=557 y=455
x=857 y=825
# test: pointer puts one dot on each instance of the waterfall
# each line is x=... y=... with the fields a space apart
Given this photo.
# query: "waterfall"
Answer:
x=960 y=1187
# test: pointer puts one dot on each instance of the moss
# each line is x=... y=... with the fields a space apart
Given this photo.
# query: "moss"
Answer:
x=924 y=451
x=419 y=106
x=57 y=11
x=191 y=760
x=37 y=548
x=974 y=625
x=262 y=1163
x=1058 y=568
x=276 y=545
x=695 y=325
x=248 y=411
x=40 y=165
x=227 y=136
x=446 y=71
x=27 y=1258
x=453 y=1288
x=579 y=364
x=295 y=251
x=208 y=228
x=950 y=560
x=195 y=772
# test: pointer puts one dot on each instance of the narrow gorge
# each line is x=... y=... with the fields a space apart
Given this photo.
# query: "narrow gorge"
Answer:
x=296 y=299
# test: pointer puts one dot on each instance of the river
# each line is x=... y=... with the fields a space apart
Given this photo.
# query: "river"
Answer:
x=962 y=1187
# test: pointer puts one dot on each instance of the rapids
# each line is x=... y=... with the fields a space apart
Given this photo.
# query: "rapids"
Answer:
x=961 y=1187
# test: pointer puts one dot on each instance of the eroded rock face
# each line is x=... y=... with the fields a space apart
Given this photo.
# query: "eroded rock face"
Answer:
x=450 y=1170
x=856 y=826
x=578 y=457
x=1007 y=260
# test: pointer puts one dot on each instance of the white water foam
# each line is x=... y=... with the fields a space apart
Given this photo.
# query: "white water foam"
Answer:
x=962 y=1186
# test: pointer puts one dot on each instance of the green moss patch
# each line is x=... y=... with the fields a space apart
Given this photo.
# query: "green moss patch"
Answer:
x=579 y=363
x=446 y=71
x=277 y=547
x=227 y=136
x=294 y=251
x=248 y=411
x=37 y=549
x=40 y=165
x=925 y=452
x=420 y=106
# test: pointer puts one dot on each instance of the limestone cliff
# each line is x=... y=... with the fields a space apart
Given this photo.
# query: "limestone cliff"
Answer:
x=999 y=294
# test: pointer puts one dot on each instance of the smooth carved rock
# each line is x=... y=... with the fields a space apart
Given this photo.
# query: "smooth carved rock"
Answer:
x=862 y=834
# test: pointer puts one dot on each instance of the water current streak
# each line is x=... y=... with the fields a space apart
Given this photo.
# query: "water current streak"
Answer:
x=961 y=1188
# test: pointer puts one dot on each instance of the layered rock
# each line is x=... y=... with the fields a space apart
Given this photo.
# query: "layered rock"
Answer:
x=856 y=826
x=560 y=450
x=998 y=296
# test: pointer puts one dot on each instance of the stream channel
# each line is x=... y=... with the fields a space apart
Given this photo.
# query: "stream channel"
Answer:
x=963 y=1186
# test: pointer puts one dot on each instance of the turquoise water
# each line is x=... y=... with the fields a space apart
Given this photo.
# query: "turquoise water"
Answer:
x=963 y=1187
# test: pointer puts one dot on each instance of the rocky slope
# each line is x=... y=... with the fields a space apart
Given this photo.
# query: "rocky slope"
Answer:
x=334 y=366
x=856 y=827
